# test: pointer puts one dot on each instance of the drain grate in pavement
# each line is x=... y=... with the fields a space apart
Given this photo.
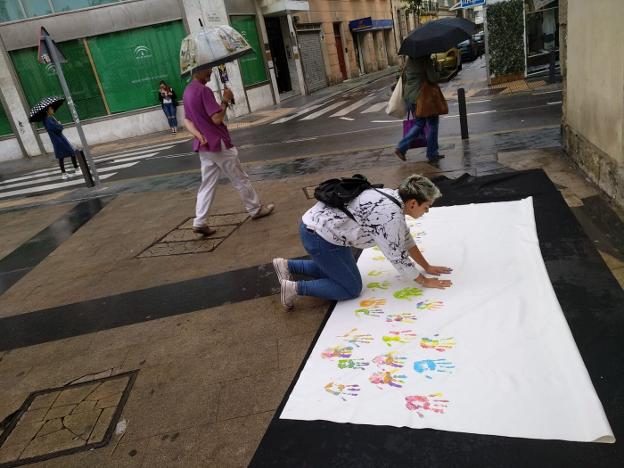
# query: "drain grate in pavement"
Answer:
x=65 y=420
x=182 y=240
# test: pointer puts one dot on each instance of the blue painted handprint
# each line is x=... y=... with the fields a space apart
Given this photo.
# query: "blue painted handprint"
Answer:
x=427 y=367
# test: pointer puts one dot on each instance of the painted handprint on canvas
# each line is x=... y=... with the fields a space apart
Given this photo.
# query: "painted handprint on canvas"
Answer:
x=439 y=344
x=383 y=285
x=335 y=352
x=403 y=317
x=357 y=364
x=343 y=391
x=371 y=307
x=389 y=360
x=377 y=272
x=355 y=337
x=407 y=293
x=429 y=305
x=398 y=337
x=388 y=378
x=426 y=403
x=429 y=367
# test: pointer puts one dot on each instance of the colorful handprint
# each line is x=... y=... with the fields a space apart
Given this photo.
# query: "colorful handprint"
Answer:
x=378 y=285
x=343 y=391
x=439 y=344
x=389 y=360
x=422 y=403
x=343 y=352
x=372 y=302
x=398 y=337
x=429 y=305
x=371 y=312
x=358 y=364
x=404 y=317
x=377 y=272
x=355 y=338
x=407 y=293
x=428 y=367
x=388 y=378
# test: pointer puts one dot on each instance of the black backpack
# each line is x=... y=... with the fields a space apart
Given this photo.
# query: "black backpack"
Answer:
x=337 y=193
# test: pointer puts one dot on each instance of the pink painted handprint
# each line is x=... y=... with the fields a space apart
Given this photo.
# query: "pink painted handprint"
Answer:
x=337 y=352
x=398 y=337
x=422 y=403
x=439 y=344
x=429 y=305
x=389 y=360
x=343 y=391
x=355 y=338
x=388 y=378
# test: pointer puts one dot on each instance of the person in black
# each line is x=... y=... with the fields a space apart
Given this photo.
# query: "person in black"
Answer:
x=169 y=103
x=62 y=147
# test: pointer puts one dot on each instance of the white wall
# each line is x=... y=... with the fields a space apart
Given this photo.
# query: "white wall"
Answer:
x=10 y=149
x=260 y=97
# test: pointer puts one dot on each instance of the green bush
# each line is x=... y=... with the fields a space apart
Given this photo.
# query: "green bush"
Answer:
x=506 y=35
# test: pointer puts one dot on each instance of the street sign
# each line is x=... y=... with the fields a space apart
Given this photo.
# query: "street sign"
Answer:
x=472 y=3
x=44 y=54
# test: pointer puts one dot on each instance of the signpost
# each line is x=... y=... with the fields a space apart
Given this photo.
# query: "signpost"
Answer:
x=49 y=53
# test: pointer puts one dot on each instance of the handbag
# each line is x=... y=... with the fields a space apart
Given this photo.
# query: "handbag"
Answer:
x=396 y=105
x=421 y=140
x=430 y=101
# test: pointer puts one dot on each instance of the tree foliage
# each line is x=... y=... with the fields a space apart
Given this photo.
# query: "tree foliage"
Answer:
x=506 y=35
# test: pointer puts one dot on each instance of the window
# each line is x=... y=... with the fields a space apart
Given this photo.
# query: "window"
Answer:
x=5 y=125
x=36 y=7
x=252 y=64
x=68 y=5
x=39 y=80
x=10 y=10
x=130 y=64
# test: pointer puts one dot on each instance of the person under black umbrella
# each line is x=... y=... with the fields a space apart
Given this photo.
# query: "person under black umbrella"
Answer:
x=44 y=112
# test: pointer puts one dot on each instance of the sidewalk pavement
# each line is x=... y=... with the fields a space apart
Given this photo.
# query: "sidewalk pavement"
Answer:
x=187 y=337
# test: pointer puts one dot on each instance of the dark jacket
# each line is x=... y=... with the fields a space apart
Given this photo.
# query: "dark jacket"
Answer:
x=414 y=74
x=174 y=98
x=62 y=147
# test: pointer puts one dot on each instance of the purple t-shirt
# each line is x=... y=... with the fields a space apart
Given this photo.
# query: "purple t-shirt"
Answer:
x=199 y=107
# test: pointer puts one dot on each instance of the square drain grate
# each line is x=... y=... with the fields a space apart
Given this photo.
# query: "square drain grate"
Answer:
x=65 y=420
x=182 y=240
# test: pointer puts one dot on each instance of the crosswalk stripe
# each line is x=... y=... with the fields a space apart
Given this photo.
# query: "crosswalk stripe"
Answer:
x=353 y=106
x=305 y=110
x=44 y=188
x=133 y=152
x=375 y=108
x=34 y=182
x=128 y=157
x=323 y=111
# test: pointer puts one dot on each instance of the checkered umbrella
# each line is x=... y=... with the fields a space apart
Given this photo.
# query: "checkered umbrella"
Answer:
x=38 y=112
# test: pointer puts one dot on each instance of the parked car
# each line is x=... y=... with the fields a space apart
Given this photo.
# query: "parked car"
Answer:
x=469 y=50
x=479 y=38
x=449 y=62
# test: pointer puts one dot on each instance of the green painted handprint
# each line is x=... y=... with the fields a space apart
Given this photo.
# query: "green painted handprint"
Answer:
x=378 y=285
x=407 y=293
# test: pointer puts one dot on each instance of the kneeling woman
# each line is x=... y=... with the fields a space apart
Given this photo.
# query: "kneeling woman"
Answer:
x=328 y=234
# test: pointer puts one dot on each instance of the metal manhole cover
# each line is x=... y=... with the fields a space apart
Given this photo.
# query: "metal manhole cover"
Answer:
x=65 y=420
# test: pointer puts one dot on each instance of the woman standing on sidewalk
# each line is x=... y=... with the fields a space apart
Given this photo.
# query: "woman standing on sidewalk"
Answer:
x=328 y=234
x=62 y=147
x=416 y=73
x=169 y=103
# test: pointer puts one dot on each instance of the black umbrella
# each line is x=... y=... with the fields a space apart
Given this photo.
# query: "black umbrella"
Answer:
x=437 y=36
x=39 y=111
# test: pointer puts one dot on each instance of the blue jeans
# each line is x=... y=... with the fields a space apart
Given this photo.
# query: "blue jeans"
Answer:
x=170 y=112
x=416 y=130
x=336 y=274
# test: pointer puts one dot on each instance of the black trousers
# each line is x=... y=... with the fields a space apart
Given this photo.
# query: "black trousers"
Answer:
x=61 y=162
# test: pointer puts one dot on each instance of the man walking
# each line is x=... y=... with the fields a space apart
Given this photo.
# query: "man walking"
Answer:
x=204 y=119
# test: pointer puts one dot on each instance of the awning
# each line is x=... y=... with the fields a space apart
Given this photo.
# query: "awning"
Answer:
x=370 y=24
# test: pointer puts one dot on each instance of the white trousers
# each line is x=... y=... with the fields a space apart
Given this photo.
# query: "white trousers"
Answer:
x=213 y=165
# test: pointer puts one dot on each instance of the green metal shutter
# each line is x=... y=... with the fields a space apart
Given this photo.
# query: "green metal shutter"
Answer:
x=5 y=125
x=39 y=80
x=251 y=65
x=131 y=63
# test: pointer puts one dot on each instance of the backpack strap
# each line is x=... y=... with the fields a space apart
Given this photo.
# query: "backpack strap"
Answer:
x=389 y=197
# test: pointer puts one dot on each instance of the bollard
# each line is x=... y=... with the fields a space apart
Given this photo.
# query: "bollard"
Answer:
x=551 y=67
x=463 y=119
x=84 y=167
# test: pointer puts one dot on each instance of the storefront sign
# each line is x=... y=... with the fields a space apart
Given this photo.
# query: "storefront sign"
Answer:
x=361 y=24
x=471 y=3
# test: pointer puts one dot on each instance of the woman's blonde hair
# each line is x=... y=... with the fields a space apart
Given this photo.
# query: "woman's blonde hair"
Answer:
x=419 y=188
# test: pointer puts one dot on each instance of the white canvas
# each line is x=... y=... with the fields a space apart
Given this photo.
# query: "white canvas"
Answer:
x=491 y=355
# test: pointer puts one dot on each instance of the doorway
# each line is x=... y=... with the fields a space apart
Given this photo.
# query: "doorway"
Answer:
x=340 y=51
x=278 y=52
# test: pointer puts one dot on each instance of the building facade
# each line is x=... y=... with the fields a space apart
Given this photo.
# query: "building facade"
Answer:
x=118 y=50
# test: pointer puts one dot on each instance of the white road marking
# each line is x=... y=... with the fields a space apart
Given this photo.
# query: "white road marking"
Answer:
x=299 y=139
x=552 y=103
x=469 y=113
x=57 y=176
x=43 y=188
x=305 y=110
x=353 y=106
x=547 y=92
x=132 y=153
x=375 y=107
x=385 y=121
x=324 y=110
x=347 y=118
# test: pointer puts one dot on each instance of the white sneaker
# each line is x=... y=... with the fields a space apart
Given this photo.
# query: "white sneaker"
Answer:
x=65 y=176
x=288 y=293
x=280 y=265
